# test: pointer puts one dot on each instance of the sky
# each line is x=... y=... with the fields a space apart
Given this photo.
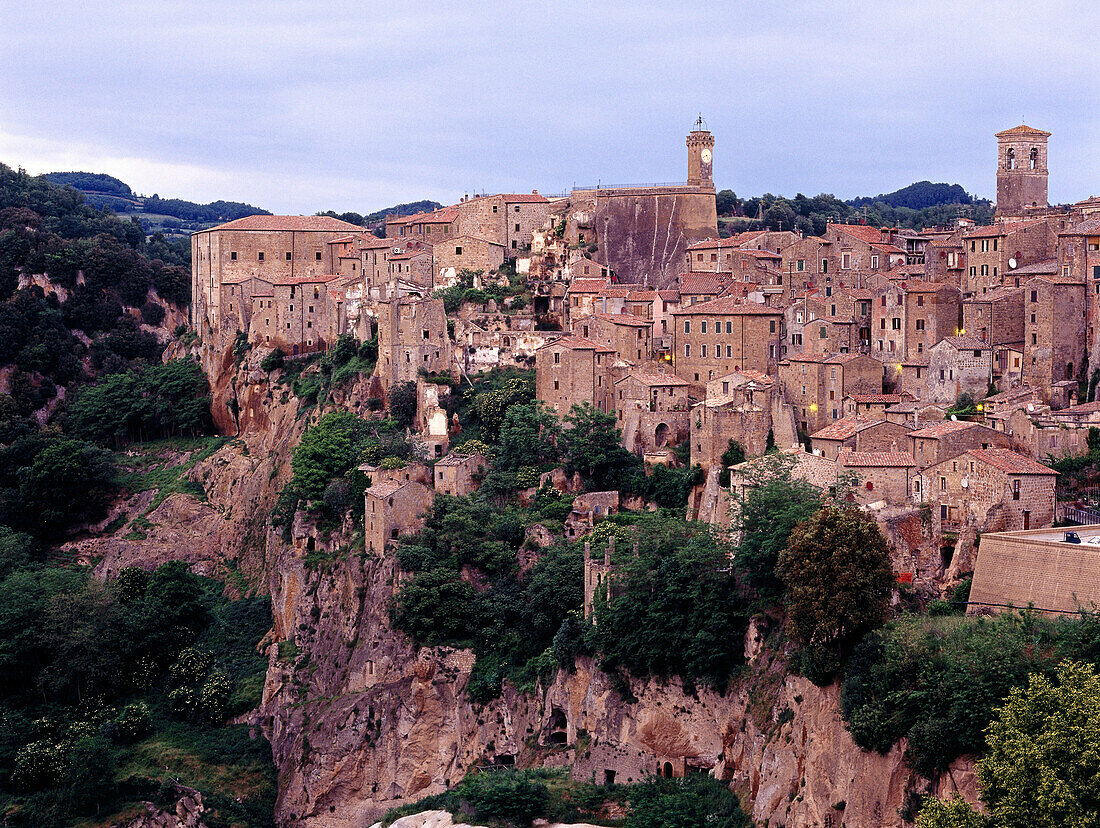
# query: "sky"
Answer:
x=298 y=107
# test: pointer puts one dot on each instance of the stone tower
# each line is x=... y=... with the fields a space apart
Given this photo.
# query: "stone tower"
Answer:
x=700 y=144
x=1021 y=171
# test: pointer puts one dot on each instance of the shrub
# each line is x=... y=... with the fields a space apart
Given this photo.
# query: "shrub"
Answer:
x=133 y=724
x=152 y=313
x=273 y=361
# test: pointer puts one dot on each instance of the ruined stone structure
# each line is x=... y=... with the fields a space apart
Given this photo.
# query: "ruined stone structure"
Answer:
x=652 y=410
x=412 y=336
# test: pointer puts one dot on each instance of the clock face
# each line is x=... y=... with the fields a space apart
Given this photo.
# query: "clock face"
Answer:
x=705 y=155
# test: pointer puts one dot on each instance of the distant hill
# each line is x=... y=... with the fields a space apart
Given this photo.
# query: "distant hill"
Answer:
x=377 y=217
x=918 y=196
x=172 y=216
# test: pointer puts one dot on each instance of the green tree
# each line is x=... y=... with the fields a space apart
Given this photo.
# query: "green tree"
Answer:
x=955 y=813
x=492 y=406
x=67 y=481
x=764 y=517
x=695 y=800
x=837 y=578
x=529 y=436
x=403 y=403
x=329 y=449
x=593 y=447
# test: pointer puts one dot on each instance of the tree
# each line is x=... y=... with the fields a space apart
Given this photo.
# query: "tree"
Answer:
x=764 y=517
x=593 y=447
x=492 y=406
x=68 y=479
x=837 y=578
x=403 y=403
x=329 y=449
x=955 y=813
x=529 y=436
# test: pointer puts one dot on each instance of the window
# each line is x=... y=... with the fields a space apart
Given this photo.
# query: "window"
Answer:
x=514 y=244
x=494 y=208
x=895 y=323
x=556 y=383
x=943 y=484
x=1015 y=489
x=845 y=261
x=311 y=308
x=920 y=324
x=288 y=256
x=703 y=351
x=703 y=327
x=317 y=255
x=973 y=270
x=824 y=265
x=557 y=359
x=920 y=301
x=729 y=352
x=823 y=333
x=233 y=256
x=882 y=301
x=260 y=256
x=517 y=228
x=800 y=265
x=687 y=353
x=1034 y=296
x=729 y=327
x=874 y=261
x=458 y=250
x=714 y=257
x=687 y=326
x=771 y=326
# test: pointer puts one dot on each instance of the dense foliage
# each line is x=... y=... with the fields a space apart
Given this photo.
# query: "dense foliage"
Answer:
x=919 y=196
x=92 y=676
x=498 y=797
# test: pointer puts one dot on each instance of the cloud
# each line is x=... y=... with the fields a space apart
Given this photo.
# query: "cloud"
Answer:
x=301 y=106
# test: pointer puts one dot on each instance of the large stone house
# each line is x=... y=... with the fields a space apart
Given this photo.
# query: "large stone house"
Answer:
x=714 y=338
x=653 y=410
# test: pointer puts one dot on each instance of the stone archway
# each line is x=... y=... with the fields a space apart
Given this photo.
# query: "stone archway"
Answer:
x=660 y=435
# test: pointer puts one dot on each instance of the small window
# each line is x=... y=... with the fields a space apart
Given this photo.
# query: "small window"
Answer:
x=233 y=256
x=260 y=256
x=288 y=257
x=458 y=251
x=318 y=255
x=687 y=326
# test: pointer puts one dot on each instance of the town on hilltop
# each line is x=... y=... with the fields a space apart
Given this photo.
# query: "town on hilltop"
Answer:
x=935 y=369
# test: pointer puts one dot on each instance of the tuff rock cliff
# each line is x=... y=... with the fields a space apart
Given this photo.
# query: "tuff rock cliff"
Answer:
x=360 y=721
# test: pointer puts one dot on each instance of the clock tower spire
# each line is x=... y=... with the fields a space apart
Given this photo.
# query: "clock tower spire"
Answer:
x=700 y=145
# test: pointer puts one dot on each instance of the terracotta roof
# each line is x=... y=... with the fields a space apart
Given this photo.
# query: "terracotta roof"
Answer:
x=1035 y=269
x=615 y=291
x=384 y=488
x=844 y=428
x=1088 y=227
x=876 y=458
x=706 y=244
x=702 y=283
x=444 y=216
x=1002 y=228
x=669 y=295
x=653 y=378
x=1010 y=461
x=856 y=293
x=921 y=286
x=641 y=295
x=524 y=198
x=943 y=429
x=588 y=285
x=453 y=459
x=1022 y=129
x=966 y=343
x=287 y=223
x=891 y=248
x=1074 y=410
x=729 y=305
x=996 y=295
x=864 y=232
x=842 y=358
x=579 y=343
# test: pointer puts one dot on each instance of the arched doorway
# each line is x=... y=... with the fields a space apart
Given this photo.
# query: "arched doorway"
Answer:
x=660 y=435
x=666 y=771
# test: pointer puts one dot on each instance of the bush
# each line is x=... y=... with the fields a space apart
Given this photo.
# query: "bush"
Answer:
x=509 y=796
x=152 y=313
x=133 y=724
x=191 y=666
x=273 y=361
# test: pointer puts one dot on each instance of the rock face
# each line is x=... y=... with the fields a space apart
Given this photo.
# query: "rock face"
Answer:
x=187 y=813
x=361 y=722
x=442 y=819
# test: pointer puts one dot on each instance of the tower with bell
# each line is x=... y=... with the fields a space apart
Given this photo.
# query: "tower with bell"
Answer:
x=700 y=144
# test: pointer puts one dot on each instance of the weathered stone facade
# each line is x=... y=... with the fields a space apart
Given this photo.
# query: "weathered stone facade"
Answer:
x=412 y=337
x=652 y=409
x=714 y=338
x=1021 y=171
x=570 y=371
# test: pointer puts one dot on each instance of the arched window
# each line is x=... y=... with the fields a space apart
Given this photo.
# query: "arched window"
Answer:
x=1010 y=164
x=1033 y=158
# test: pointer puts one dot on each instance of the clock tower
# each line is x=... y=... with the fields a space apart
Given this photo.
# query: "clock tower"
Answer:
x=700 y=144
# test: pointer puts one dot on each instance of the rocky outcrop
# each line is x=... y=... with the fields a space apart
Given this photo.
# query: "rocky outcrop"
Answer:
x=442 y=819
x=186 y=813
x=360 y=721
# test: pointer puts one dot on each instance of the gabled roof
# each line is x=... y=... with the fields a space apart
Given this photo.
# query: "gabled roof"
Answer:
x=577 y=343
x=704 y=283
x=1075 y=410
x=879 y=459
x=729 y=306
x=844 y=428
x=1020 y=131
x=524 y=198
x=997 y=295
x=1010 y=461
x=587 y=285
x=1001 y=228
x=889 y=399
x=943 y=429
x=966 y=343
x=1088 y=227
x=1035 y=269
x=288 y=223
x=622 y=319
x=453 y=459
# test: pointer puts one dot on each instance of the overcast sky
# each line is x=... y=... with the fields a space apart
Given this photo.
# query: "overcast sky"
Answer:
x=303 y=106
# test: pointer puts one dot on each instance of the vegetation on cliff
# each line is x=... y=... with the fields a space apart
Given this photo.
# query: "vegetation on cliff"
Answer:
x=108 y=691
x=515 y=798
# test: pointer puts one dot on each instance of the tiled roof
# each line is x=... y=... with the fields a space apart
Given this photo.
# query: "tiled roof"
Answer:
x=1002 y=228
x=587 y=285
x=287 y=223
x=876 y=458
x=943 y=429
x=579 y=343
x=1088 y=227
x=1036 y=268
x=641 y=295
x=1010 y=461
x=615 y=291
x=863 y=232
x=1022 y=129
x=842 y=358
x=524 y=198
x=729 y=305
x=844 y=428
x=1074 y=410
x=705 y=283
x=453 y=459
x=891 y=248
x=669 y=295
x=920 y=286
x=384 y=488
x=996 y=295
x=622 y=319
x=444 y=216
x=653 y=378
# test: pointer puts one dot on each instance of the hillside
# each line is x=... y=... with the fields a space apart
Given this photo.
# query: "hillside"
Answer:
x=919 y=196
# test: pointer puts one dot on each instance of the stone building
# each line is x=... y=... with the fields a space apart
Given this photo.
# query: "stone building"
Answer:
x=958 y=365
x=728 y=257
x=714 y=338
x=910 y=317
x=859 y=434
x=997 y=318
x=652 y=409
x=997 y=253
x=460 y=253
x=587 y=509
x=934 y=443
x=255 y=251
x=1021 y=171
x=507 y=219
x=1055 y=324
x=430 y=227
x=412 y=337
x=296 y=313
x=394 y=508
x=581 y=298
x=746 y=407
x=1079 y=255
x=871 y=406
x=627 y=335
x=968 y=486
x=816 y=386
x=459 y=474
x=885 y=476
x=570 y=371
x=915 y=414
x=411 y=261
